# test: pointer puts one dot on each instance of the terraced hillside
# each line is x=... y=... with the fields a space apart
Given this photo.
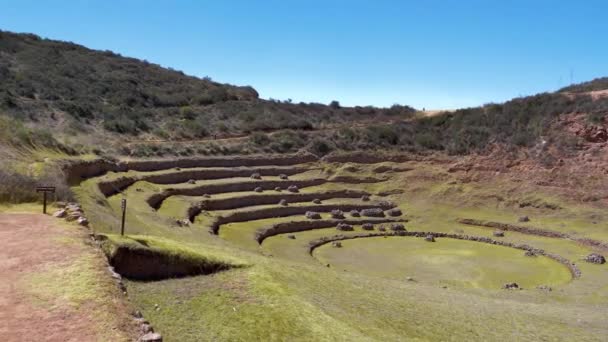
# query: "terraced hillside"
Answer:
x=296 y=248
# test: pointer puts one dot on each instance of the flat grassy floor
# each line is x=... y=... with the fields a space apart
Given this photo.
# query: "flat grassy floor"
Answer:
x=447 y=261
x=285 y=294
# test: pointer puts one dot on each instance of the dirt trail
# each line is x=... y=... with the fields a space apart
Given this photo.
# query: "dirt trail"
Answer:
x=30 y=244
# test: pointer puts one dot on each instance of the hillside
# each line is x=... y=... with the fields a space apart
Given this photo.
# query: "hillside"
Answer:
x=83 y=93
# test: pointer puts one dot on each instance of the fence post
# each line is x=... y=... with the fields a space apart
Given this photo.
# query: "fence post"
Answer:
x=123 y=205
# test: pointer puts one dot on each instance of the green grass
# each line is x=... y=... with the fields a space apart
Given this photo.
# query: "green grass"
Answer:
x=285 y=294
x=447 y=261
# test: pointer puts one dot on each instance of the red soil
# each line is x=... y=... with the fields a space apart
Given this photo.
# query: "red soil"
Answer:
x=29 y=245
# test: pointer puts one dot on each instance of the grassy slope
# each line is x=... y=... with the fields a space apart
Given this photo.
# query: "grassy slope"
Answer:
x=291 y=296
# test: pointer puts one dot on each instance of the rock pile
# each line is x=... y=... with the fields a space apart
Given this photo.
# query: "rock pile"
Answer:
x=71 y=212
x=283 y=203
x=510 y=286
x=429 y=238
x=283 y=176
x=394 y=212
x=365 y=198
x=316 y=201
x=277 y=189
x=372 y=212
x=367 y=226
x=337 y=214
x=345 y=227
x=191 y=181
x=498 y=233
x=595 y=258
x=355 y=213
x=397 y=227
x=293 y=188
x=258 y=189
x=256 y=176
x=311 y=215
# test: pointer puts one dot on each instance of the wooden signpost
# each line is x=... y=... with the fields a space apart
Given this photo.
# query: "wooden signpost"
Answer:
x=123 y=205
x=45 y=190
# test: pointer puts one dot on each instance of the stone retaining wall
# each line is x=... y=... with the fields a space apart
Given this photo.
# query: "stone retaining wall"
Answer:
x=76 y=170
x=242 y=216
x=536 y=231
x=300 y=226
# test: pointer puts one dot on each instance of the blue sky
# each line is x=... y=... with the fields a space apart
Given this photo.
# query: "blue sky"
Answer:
x=433 y=54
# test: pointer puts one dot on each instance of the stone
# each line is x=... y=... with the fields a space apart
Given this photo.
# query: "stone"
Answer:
x=191 y=181
x=316 y=201
x=258 y=189
x=595 y=258
x=283 y=203
x=116 y=276
x=372 y=212
x=277 y=189
x=544 y=288
x=498 y=233
x=367 y=226
x=382 y=228
x=337 y=214
x=510 y=286
x=206 y=195
x=291 y=236
x=344 y=227
x=72 y=217
x=409 y=278
x=283 y=176
x=336 y=244
x=311 y=215
x=83 y=221
x=137 y=313
x=355 y=213
x=151 y=337
x=524 y=219
x=530 y=254
x=365 y=198
x=394 y=212
x=429 y=238
x=60 y=213
x=397 y=227
x=60 y=204
x=146 y=328
x=182 y=222
x=293 y=188
x=256 y=176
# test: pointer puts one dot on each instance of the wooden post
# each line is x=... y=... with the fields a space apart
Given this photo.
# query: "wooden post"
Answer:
x=123 y=205
x=44 y=190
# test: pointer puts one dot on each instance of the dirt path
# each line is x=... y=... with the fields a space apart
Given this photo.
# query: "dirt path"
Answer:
x=32 y=308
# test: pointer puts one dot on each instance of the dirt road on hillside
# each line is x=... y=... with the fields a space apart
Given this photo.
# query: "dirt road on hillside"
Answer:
x=31 y=308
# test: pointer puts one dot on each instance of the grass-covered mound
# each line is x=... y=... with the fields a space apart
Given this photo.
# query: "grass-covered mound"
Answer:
x=154 y=258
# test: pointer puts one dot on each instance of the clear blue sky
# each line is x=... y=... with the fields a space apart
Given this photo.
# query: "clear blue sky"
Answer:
x=433 y=54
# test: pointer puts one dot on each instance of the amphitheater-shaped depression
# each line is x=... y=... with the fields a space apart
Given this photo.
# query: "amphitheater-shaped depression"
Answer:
x=447 y=261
